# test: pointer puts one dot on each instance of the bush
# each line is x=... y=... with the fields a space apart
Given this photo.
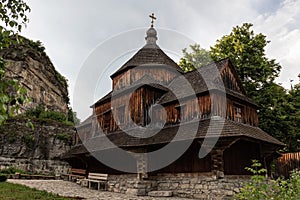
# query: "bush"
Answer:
x=261 y=188
x=63 y=136
x=11 y=170
x=42 y=114
x=3 y=177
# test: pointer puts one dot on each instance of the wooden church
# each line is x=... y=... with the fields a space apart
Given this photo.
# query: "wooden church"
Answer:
x=149 y=92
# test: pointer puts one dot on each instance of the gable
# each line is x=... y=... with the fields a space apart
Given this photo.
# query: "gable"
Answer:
x=231 y=79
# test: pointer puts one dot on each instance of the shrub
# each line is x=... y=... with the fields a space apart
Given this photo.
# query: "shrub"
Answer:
x=11 y=170
x=3 y=177
x=261 y=188
x=63 y=136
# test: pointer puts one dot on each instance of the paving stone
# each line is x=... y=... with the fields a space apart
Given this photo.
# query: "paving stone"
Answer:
x=160 y=193
x=71 y=189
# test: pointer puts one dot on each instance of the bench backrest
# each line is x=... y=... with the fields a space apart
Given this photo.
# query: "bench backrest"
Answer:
x=78 y=171
x=97 y=176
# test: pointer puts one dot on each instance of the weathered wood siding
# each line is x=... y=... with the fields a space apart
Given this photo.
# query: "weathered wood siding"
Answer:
x=161 y=74
x=239 y=156
x=206 y=106
x=230 y=80
x=135 y=105
x=189 y=162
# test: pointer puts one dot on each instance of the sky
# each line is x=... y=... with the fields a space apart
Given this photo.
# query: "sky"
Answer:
x=73 y=30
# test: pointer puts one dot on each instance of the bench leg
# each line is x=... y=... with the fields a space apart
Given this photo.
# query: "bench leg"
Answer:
x=98 y=186
x=89 y=183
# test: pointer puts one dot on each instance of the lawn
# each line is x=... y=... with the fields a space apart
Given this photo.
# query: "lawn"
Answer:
x=9 y=191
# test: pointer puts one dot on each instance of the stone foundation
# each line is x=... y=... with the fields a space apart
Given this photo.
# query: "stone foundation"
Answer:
x=130 y=184
x=200 y=186
x=188 y=185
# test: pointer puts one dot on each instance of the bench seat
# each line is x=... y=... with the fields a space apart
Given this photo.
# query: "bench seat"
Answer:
x=100 y=179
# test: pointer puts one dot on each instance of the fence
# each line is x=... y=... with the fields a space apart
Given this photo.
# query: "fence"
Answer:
x=286 y=163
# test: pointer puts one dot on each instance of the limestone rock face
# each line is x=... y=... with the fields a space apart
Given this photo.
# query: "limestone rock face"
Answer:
x=29 y=64
x=37 y=150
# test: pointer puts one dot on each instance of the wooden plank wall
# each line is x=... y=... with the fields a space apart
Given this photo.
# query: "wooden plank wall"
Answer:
x=286 y=163
x=162 y=75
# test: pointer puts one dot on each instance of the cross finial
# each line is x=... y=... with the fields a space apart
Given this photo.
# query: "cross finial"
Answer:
x=152 y=19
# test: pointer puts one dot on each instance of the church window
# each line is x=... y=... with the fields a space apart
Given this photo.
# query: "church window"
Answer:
x=106 y=120
x=237 y=113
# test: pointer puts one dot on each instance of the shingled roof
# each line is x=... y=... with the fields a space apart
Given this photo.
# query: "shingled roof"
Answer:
x=149 y=54
x=201 y=80
x=208 y=128
x=146 y=80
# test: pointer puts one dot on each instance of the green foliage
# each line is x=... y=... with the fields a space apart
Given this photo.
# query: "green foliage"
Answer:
x=247 y=51
x=194 y=59
x=64 y=137
x=28 y=139
x=3 y=177
x=42 y=114
x=279 y=109
x=261 y=188
x=54 y=115
x=11 y=170
x=72 y=117
x=9 y=191
x=11 y=139
x=13 y=15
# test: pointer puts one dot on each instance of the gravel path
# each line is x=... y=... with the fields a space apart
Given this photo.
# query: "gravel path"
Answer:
x=70 y=189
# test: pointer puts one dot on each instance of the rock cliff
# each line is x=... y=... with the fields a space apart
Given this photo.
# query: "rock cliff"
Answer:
x=35 y=150
x=28 y=63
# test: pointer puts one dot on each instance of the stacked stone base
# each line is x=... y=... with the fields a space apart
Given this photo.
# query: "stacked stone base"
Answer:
x=188 y=185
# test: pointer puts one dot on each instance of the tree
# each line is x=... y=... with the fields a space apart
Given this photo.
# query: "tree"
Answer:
x=292 y=116
x=194 y=59
x=247 y=51
x=13 y=15
x=257 y=73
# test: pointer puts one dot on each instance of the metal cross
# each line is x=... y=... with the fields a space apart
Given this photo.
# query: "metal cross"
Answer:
x=153 y=18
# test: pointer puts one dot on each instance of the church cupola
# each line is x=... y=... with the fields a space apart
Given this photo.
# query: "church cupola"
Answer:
x=151 y=32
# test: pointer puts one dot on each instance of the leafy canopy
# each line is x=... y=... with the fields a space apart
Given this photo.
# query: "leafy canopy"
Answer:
x=247 y=52
x=13 y=15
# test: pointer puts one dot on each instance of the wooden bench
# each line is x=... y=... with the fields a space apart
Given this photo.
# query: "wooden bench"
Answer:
x=77 y=174
x=100 y=179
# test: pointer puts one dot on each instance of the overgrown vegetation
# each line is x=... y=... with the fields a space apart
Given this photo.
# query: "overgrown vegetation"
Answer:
x=11 y=170
x=261 y=188
x=28 y=140
x=13 y=18
x=43 y=114
x=9 y=191
x=64 y=137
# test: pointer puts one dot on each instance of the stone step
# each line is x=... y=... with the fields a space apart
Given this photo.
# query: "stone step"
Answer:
x=160 y=193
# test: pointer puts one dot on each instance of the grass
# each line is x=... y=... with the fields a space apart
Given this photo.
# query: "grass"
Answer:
x=9 y=191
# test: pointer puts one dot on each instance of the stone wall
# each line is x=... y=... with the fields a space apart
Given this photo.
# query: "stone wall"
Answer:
x=200 y=186
x=129 y=184
x=188 y=185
